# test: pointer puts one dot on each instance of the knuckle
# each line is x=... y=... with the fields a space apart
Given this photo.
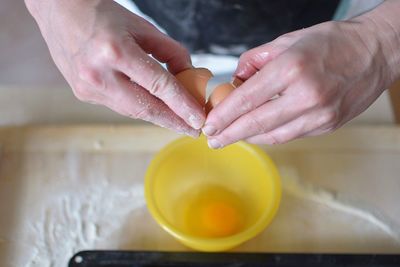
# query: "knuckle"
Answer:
x=158 y=85
x=252 y=59
x=180 y=49
x=244 y=104
x=272 y=139
x=327 y=130
x=146 y=113
x=225 y=137
x=89 y=75
x=142 y=114
x=313 y=95
x=81 y=92
x=330 y=117
x=219 y=120
x=245 y=56
x=332 y=26
x=297 y=64
x=108 y=50
x=288 y=37
x=255 y=125
x=283 y=39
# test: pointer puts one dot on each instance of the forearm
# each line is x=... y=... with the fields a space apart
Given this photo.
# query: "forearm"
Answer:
x=381 y=32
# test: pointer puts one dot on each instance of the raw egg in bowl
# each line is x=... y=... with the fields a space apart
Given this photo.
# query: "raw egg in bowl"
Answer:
x=212 y=200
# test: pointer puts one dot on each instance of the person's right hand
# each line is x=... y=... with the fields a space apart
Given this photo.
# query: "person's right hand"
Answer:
x=102 y=50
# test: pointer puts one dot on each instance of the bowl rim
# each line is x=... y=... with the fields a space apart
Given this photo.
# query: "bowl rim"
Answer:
x=263 y=221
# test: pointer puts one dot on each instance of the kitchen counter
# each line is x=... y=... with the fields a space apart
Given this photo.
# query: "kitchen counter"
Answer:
x=70 y=188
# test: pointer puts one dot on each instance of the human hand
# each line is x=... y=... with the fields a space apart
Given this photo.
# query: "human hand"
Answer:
x=304 y=83
x=102 y=50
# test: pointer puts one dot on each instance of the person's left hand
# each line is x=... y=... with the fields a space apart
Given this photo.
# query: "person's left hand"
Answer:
x=304 y=83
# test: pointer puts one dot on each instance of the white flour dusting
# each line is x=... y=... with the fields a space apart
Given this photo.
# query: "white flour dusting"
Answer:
x=295 y=187
x=58 y=201
x=77 y=220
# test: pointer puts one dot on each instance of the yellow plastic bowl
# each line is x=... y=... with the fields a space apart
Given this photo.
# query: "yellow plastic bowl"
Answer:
x=212 y=200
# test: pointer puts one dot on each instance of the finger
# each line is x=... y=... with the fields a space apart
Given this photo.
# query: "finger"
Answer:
x=166 y=50
x=130 y=99
x=310 y=124
x=251 y=61
x=322 y=130
x=266 y=118
x=260 y=88
x=285 y=133
x=149 y=74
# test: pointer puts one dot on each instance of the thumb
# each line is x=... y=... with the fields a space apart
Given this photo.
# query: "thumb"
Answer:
x=254 y=59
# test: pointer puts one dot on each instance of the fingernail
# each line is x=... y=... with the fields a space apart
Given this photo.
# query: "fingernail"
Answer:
x=209 y=130
x=236 y=82
x=194 y=134
x=195 y=122
x=189 y=132
x=215 y=144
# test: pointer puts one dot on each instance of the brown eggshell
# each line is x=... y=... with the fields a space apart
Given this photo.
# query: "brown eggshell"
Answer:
x=219 y=93
x=195 y=81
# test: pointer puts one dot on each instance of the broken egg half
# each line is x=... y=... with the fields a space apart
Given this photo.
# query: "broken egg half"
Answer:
x=195 y=80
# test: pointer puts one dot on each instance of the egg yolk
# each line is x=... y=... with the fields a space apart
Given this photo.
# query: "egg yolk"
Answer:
x=211 y=211
x=220 y=219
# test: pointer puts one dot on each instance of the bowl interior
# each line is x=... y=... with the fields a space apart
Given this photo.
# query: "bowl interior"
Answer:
x=204 y=193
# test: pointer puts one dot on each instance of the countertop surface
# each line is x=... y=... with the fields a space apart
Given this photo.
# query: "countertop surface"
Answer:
x=69 y=188
x=64 y=189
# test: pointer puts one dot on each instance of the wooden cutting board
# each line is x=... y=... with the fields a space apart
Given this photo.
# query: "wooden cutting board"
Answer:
x=70 y=188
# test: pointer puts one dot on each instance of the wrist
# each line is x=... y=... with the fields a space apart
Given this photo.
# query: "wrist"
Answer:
x=45 y=8
x=380 y=31
x=54 y=16
x=34 y=6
